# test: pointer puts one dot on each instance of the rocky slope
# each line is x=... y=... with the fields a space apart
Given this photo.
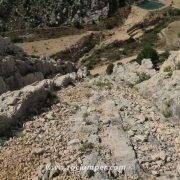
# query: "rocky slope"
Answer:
x=57 y=122
x=164 y=87
x=53 y=13
x=100 y=122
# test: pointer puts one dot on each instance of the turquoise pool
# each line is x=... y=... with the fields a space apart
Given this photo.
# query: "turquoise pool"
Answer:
x=150 y=5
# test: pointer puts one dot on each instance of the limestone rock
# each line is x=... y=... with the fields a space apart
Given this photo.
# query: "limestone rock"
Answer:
x=83 y=72
x=172 y=62
x=17 y=104
x=133 y=73
x=17 y=69
x=62 y=81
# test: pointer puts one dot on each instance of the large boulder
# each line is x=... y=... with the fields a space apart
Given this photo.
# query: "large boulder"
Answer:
x=33 y=77
x=17 y=104
x=133 y=73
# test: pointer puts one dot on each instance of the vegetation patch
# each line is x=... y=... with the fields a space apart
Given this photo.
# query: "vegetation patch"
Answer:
x=167 y=113
x=178 y=66
x=162 y=57
x=76 y=52
x=148 y=53
x=168 y=70
x=102 y=85
x=179 y=35
x=110 y=68
x=143 y=77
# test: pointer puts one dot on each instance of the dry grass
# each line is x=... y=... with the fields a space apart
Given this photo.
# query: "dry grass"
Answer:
x=50 y=47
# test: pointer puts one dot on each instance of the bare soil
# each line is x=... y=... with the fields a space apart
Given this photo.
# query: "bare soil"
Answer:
x=50 y=47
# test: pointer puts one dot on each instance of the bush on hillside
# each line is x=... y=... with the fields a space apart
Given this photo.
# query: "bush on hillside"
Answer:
x=148 y=53
x=78 y=25
x=110 y=68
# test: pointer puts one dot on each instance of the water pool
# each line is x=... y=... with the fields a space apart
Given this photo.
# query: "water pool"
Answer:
x=150 y=5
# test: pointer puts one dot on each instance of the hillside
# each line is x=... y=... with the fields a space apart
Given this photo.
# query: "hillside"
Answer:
x=89 y=90
x=19 y=14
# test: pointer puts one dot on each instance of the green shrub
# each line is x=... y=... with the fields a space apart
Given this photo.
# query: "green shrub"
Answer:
x=168 y=70
x=110 y=68
x=174 y=12
x=16 y=39
x=78 y=25
x=178 y=66
x=179 y=35
x=148 y=53
x=34 y=56
x=164 y=56
x=167 y=114
x=106 y=85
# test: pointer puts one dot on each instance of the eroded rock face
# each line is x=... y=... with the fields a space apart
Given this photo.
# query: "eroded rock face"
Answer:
x=18 y=70
x=16 y=104
x=165 y=92
x=16 y=74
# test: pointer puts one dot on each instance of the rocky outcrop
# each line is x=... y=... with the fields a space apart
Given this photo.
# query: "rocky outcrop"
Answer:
x=53 y=13
x=16 y=105
x=173 y=62
x=99 y=123
x=16 y=74
x=161 y=86
x=18 y=70
x=164 y=87
x=134 y=73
